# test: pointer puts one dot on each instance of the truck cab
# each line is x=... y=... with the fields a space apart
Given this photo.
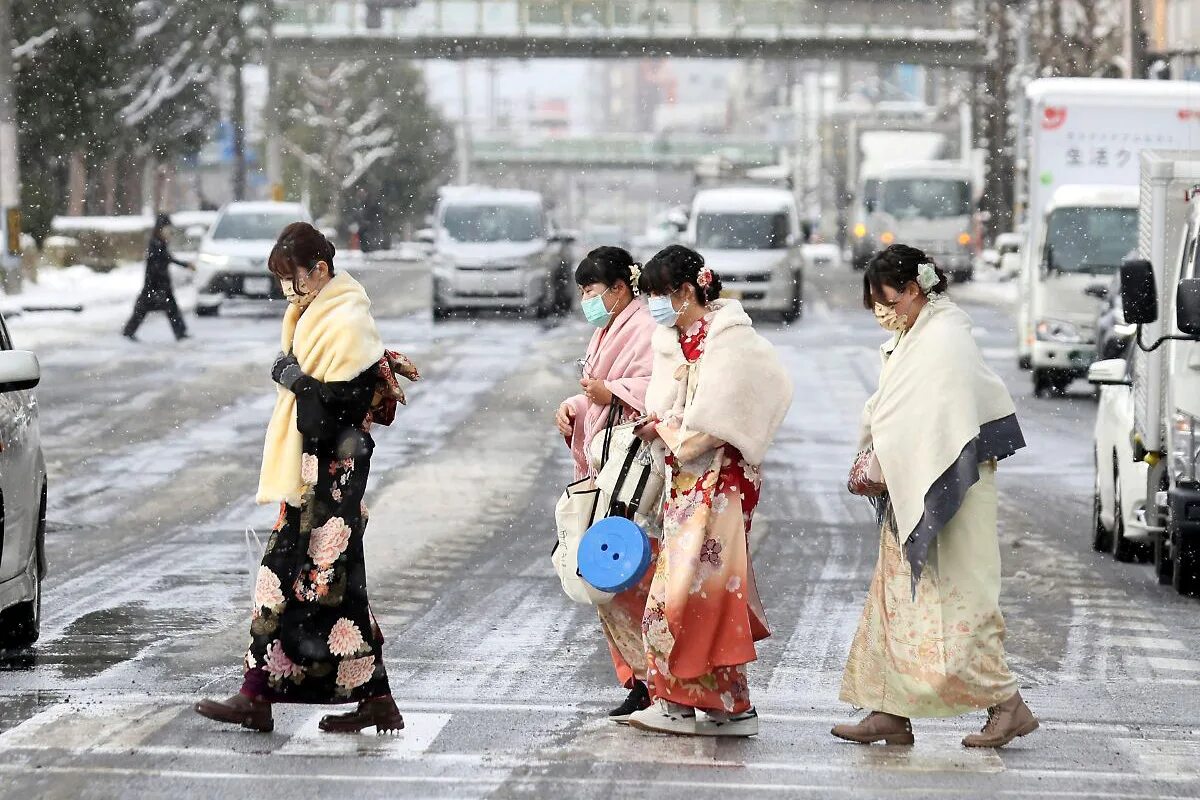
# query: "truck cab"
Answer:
x=926 y=204
x=1087 y=232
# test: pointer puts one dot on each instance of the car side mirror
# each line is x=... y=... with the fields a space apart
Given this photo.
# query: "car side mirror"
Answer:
x=1098 y=291
x=1110 y=372
x=1139 y=297
x=1187 y=307
x=19 y=371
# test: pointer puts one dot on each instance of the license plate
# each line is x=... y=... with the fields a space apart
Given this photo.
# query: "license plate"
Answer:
x=257 y=286
x=731 y=294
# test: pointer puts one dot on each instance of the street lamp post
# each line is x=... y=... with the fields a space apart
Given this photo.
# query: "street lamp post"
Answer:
x=10 y=179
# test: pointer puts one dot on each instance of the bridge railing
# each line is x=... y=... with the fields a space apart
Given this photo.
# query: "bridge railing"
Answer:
x=623 y=149
x=599 y=18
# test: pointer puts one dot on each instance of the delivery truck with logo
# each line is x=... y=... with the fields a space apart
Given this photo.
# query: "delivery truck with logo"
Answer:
x=1086 y=136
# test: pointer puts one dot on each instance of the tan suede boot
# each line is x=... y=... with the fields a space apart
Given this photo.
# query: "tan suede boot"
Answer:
x=1006 y=722
x=877 y=727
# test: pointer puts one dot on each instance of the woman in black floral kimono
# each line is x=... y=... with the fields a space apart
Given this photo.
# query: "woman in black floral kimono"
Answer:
x=313 y=637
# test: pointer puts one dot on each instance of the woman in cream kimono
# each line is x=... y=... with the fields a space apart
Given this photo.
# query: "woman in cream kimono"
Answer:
x=931 y=639
x=717 y=396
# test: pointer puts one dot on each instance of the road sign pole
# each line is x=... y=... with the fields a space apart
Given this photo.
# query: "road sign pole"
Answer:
x=10 y=178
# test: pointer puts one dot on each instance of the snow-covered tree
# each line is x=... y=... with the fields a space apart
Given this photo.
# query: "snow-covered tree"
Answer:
x=363 y=142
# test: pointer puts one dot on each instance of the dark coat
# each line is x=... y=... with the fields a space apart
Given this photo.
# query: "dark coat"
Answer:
x=158 y=268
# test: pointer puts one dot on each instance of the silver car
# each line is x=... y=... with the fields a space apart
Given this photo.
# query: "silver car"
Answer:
x=22 y=498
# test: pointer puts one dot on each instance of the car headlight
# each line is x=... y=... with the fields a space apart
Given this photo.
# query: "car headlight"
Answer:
x=964 y=239
x=213 y=259
x=1056 y=330
x=1184 y=447
x=860 y=231
x=887 y=237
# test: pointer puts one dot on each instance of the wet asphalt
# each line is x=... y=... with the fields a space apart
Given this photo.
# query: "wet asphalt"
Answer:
x=153 y=450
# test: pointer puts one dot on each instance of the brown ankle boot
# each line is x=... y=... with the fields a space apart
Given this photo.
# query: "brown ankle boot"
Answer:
x=239 y=710
x=380 y=713
x=877 y=727
x=1006 y=722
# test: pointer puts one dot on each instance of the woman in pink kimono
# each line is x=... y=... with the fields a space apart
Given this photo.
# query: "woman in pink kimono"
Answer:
x=616 y=369
x=717 y=396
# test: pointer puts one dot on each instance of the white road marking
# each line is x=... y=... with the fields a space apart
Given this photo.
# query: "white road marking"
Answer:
x=1175 y=664
x=419 y=732
x=1144 y=642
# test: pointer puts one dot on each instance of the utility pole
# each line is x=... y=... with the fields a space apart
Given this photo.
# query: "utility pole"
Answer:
x=272 y=130
x=1020 y=190
x=238 y=112
x=10 y=177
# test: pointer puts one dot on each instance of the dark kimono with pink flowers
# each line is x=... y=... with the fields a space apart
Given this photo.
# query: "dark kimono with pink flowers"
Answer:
x=313 y=636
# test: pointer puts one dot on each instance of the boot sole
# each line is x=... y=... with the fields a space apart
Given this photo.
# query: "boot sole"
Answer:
x=902 y=739
x=641 y=726
x=1029 y=728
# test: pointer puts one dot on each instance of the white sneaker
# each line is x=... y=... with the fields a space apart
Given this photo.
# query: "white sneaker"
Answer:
x=715 y=723
x=665 y=717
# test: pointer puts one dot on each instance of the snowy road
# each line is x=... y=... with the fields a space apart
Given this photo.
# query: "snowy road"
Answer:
x=153 y=450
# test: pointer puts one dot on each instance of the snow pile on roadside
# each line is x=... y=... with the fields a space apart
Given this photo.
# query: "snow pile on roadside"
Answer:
x=80 y=286
x=989 y=287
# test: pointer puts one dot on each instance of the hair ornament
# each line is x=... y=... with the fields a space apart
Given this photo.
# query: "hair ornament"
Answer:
x=927 y=276
x=705 y=278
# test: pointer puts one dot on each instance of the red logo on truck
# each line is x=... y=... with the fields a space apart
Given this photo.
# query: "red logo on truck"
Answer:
x=1053 y=117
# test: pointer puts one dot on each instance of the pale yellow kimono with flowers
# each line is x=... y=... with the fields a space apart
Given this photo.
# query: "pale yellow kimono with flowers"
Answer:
x=935 y=649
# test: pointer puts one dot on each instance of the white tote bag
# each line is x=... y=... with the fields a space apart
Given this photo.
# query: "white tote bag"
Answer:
x=580 y=505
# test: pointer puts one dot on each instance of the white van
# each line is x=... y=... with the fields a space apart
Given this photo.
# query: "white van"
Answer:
x=1086 y=234
x=495 y=249
x=751 y=238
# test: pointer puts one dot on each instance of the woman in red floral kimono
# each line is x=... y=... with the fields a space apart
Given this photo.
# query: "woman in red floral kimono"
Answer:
x=718 y=394
x=313 y=638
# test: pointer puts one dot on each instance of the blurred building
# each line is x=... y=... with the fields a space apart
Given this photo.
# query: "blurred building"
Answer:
x=1173 y=34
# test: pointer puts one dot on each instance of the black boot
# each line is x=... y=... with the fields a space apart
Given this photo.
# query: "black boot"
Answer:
x=638 y=699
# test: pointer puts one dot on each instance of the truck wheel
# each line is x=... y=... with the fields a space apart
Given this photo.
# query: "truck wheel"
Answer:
x=1164 y=568
x=1024 y=362
x=441 y=312
x=1186 y=558
x=207 y=311
x=1101 y=539
x=796 y=310
x=1041 y=383
x=963 y=276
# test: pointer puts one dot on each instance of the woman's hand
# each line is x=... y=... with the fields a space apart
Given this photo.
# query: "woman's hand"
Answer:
x=648 y=430
x=286 y=370
x=595 y=391
x=565 y=420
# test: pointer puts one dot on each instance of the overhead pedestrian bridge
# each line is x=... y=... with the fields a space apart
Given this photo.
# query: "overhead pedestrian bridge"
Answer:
x=927 y=32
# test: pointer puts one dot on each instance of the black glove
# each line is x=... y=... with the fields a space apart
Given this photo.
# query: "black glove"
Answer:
x=286 y=370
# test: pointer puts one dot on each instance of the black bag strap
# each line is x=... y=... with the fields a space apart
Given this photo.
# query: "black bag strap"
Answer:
x=635 y=502
x=615 y=408
x=616 y=507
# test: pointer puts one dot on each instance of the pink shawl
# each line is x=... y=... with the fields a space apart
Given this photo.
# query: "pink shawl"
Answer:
x=622 y=358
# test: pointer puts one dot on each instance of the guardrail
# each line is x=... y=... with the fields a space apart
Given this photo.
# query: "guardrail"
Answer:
x=619 y=151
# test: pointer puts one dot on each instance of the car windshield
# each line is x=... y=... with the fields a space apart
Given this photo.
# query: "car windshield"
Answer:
x=252 y=224
x=741 y=231
x=1090 y=240
x=925 y=198
x=497 y=223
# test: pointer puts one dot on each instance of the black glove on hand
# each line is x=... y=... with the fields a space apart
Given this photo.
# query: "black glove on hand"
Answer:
x=286 y=370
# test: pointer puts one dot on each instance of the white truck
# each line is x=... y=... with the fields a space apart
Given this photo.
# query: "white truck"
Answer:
x=1161 y=294
x=926 y=204
x=1085 y=133
x=874 y=151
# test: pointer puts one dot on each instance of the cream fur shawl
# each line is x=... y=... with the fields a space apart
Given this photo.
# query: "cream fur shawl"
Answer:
x=742 y=391
x=335 y=339
x=936 y=396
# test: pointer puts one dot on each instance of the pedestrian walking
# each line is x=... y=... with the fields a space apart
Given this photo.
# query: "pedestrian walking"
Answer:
x=930 y=642
x=718 y=393
x=615 y=372
x=313 y=636
x=157 y=293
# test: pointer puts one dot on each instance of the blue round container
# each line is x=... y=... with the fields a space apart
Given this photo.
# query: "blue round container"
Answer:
x=614 y=554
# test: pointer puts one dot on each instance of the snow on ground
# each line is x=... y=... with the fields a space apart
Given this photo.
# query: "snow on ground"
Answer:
x=989 y=287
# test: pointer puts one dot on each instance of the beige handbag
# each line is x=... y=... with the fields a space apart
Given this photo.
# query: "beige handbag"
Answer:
x=580 y=505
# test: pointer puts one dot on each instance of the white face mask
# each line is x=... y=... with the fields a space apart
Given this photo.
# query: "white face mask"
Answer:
x=889 y=319
x=294 y=297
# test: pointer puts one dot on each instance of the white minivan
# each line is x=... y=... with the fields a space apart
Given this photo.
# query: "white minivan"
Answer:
x=22 y=498
x=232 y=260
x=751 y=238
x=496 y=249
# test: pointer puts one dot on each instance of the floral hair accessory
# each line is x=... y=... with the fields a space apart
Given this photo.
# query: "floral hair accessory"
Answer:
x=705 y=278
x=635 y=277
x=927 y=276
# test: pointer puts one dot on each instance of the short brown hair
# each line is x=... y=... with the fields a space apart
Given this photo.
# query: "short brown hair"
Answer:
x=299 y=245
